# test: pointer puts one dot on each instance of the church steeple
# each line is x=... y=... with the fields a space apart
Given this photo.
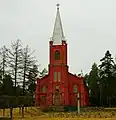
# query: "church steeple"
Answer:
x=58 y=34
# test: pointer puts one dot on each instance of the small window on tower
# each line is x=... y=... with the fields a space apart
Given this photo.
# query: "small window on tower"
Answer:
x=44 y=89
x=57 y=55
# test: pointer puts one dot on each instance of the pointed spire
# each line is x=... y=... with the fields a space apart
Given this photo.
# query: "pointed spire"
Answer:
x=58 y=35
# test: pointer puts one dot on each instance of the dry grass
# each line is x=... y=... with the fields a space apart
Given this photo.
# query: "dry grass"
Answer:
x=36 y=114
x=46 y=118
x=29 y=113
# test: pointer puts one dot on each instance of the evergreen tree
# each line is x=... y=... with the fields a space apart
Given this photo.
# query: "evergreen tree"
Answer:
x=93 y=81
x=112 y=97
x=3 y=60
x=107 y=79
x=32 y=79
x=3 y=66
x=1 y=83
x=106 y=66
x=86 y=79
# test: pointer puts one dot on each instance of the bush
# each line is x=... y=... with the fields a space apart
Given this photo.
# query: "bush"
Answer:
x=13 y=101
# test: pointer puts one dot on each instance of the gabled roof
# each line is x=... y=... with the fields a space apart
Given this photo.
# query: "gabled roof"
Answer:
x=43 y=77
x=76 y=76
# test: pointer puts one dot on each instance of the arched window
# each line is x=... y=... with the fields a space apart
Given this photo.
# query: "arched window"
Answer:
x=57 y=55
x=75 y=89
x=44 y=89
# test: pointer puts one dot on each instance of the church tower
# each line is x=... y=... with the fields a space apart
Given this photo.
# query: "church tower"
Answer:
x=58 y=69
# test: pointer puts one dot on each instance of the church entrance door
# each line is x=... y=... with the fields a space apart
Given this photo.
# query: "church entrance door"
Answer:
x=57 y=98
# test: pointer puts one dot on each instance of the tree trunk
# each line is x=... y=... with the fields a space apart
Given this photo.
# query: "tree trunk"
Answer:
x=11 y=112
x=22 y=111
x=4 y=112
x=100 y=94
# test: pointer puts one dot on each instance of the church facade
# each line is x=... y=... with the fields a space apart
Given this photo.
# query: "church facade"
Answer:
x=59 y=80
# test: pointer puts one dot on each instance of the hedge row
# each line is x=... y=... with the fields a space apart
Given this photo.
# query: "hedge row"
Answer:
x=13 y=101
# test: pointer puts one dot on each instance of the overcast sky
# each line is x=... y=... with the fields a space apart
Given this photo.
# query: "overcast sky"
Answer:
x=89 y=27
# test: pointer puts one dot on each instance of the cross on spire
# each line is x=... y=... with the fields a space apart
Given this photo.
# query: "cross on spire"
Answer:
x=57 y=5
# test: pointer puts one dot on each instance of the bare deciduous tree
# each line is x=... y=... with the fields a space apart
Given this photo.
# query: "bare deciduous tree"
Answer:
x=15 y=60
x=28 y=63
x=3 y=60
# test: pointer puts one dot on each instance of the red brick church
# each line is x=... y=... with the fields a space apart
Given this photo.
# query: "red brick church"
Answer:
x=59 y=80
